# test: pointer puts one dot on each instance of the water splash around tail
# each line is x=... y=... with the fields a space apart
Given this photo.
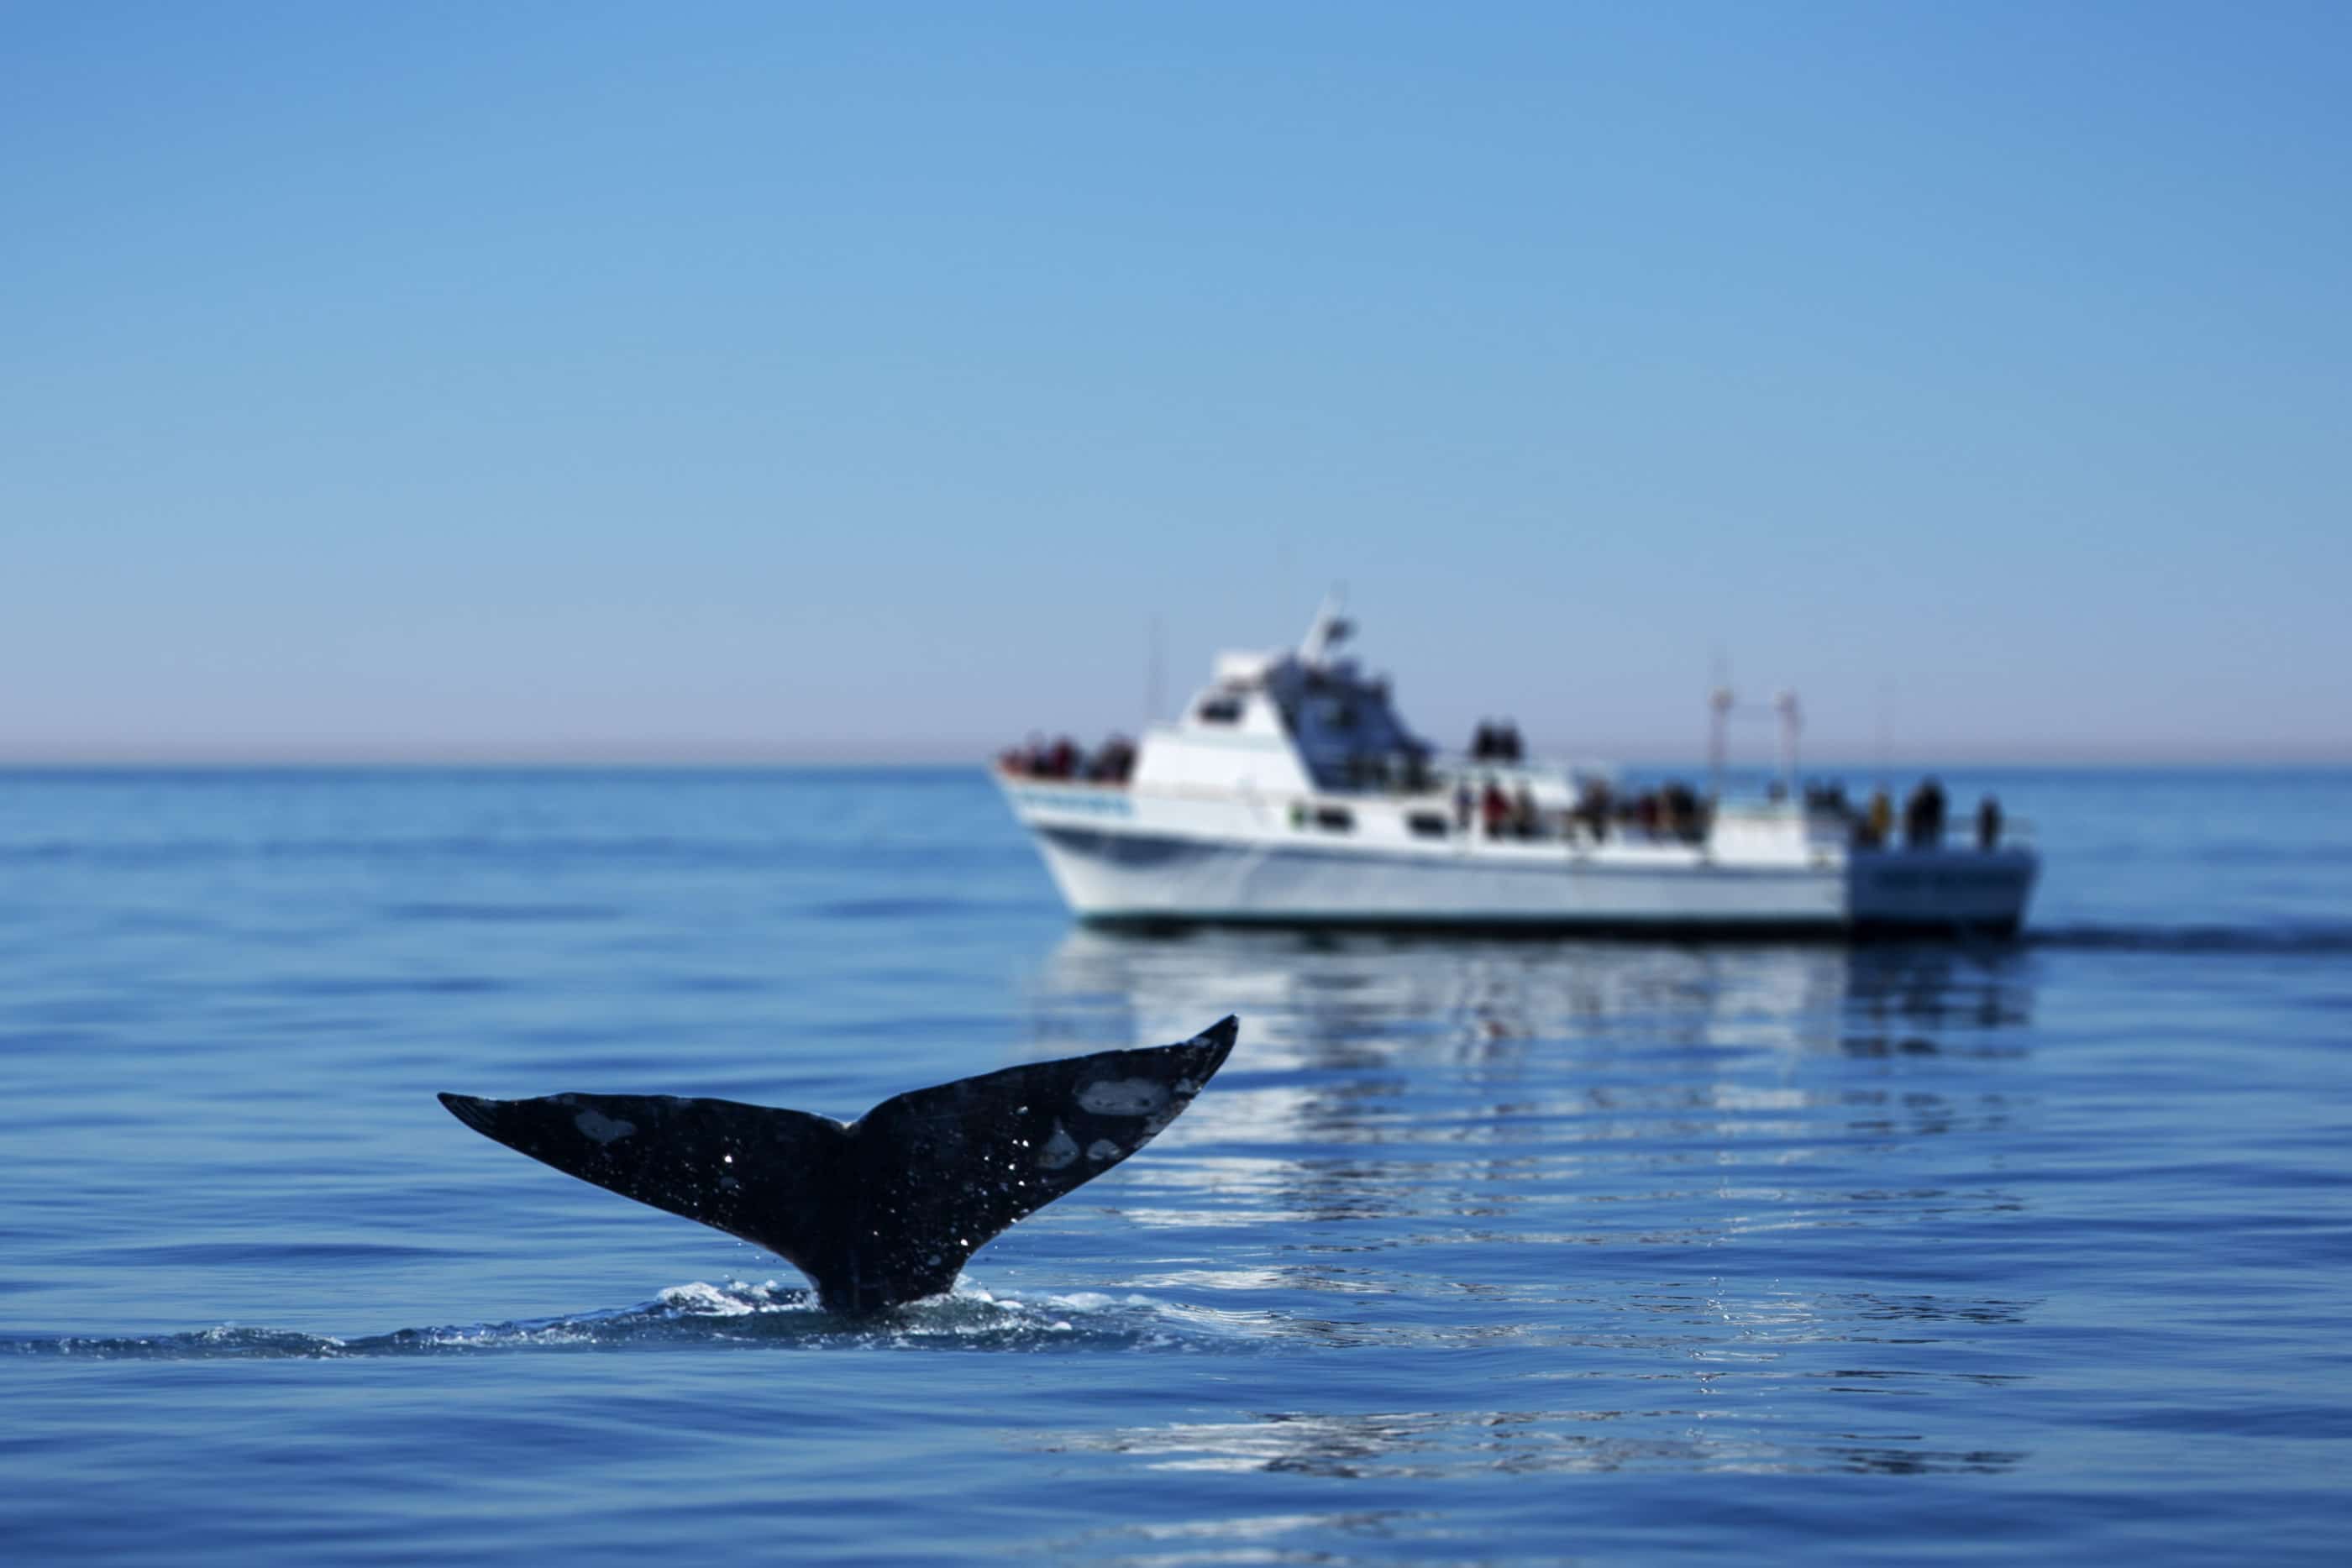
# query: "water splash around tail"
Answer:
x=689 y=1316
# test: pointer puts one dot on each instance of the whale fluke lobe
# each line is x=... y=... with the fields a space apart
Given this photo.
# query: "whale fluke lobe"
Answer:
x=884 y=1209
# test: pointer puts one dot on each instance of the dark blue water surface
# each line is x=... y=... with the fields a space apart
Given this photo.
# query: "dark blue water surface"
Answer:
x=1476 y=1252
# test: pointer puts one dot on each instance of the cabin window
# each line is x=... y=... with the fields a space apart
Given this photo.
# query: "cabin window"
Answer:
x=1426 y=824
x=1338 y=819
x=1220 y=710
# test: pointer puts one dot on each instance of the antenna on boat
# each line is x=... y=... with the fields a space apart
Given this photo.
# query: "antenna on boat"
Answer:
x=1330 y=628
x=1883 y=770
x=1153 y=679
x=1719 y=700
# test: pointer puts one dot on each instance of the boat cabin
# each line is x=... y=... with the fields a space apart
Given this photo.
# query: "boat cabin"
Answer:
x=1296 y=721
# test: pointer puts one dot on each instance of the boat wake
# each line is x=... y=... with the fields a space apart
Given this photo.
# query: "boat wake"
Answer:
x=2316 y=938
x=703 y=1316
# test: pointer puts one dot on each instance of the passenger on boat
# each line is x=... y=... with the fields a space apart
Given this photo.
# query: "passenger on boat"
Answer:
x=1496 y=807
x=1523 y=813
x=1646 y=812
x=1881 y=820
x=1678 y=805
x=1593 y=807
x=1461 y=804
x=1923 y=815
x=1987 y=823
x=1112 y=762
x=1495 y=742
x=1028 y=757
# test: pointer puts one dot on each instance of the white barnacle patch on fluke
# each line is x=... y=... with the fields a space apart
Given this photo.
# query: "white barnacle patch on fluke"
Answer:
x=1123 y=1096
x=594 y=1123
x=1059 y=1150
x=1102 y=1149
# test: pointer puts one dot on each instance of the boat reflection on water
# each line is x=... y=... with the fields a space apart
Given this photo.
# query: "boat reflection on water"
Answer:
x=1430 y=1445
x=1336 y=1001
x=1520 y=1094
x=1713 y=1188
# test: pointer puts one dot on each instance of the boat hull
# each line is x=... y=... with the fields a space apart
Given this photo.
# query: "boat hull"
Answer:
x=1127 y=874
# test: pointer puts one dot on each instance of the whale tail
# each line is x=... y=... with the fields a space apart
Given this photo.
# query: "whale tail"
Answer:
x=884 y=1209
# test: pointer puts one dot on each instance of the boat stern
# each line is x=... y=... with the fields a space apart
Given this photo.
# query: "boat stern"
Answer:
x=1940 y=892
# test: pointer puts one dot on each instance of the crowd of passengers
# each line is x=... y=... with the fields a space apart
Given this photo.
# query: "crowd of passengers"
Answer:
x=1923 y=817
x=1109 y=763
x=1672 y=811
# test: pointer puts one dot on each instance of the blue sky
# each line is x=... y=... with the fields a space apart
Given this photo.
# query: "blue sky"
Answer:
x=717 y=380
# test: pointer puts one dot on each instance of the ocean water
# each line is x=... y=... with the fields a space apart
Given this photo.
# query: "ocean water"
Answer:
x=1476 y=1252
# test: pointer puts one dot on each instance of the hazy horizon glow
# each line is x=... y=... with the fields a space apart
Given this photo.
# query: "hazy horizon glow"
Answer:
x=590 y=381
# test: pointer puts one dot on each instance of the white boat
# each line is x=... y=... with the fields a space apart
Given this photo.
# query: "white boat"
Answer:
x=1291 y=793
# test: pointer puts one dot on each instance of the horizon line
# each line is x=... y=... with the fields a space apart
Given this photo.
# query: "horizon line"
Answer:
x=847 y=753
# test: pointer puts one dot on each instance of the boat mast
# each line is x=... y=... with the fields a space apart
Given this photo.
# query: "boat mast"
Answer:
x=1784 y=703
x=1718 y=722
